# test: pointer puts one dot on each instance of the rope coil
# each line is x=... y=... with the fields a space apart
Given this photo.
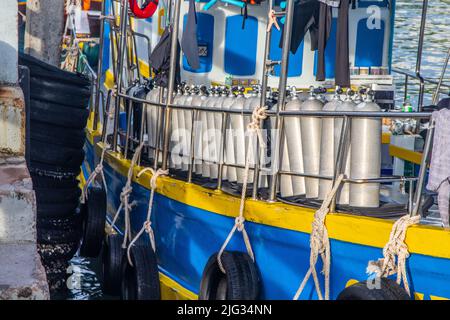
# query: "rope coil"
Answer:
x=320 y=246
x=147 y=226
x=254 y=126
x=395 y=247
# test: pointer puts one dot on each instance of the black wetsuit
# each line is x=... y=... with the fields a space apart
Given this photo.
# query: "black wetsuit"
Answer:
x=315 y=16
x=189 y=42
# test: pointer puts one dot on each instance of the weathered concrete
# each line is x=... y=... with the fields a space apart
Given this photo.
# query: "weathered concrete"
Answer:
x=22 y=276
x=44 y=30
x=8 y=42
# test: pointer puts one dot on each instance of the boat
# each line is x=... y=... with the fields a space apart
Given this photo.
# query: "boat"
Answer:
x=272 y=245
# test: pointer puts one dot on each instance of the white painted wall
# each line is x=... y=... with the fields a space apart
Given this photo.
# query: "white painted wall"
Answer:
x=8 y=42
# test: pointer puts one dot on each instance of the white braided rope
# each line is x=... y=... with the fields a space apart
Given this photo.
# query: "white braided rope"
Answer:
x=258 y=115
x=395 y=247
x=147 y=226
x=125 y=197
x=99 y=168
x=320 y=245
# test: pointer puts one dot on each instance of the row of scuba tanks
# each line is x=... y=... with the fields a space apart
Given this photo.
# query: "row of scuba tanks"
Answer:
x=310 y=144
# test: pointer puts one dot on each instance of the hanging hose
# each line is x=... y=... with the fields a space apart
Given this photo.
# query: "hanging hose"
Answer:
x=147 y=226
x=258 y=115
x=320 y=245
x=396 y=246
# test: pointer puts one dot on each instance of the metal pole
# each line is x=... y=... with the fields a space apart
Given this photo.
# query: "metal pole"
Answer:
x=173 y=63
x=423 y=169
x=264 y=81
x=123 y=38
x=419 y=54
x=282 y=94
x=100 y=64
x=441 y=79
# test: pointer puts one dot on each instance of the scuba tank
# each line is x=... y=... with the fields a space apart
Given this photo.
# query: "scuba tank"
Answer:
x=311 y=130
x=250 y=104
x=204 y=131
x=229 y=172
x=365 y=156
x=327 y=152
x=347 y=105
x=186 y=121
x=152 y=119
x=238 y=133
x=294 y=143
x=174 y=142
x=211 y=149
x=198 y=99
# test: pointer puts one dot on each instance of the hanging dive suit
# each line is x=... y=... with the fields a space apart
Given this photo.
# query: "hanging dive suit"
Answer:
x=189 y=42
x=315 y=16
x=160 y=60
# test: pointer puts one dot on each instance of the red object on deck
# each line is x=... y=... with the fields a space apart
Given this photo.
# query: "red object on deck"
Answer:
x=146 y=12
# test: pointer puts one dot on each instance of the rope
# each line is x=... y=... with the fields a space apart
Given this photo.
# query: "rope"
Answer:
x=147 y=226
x=272 y=21
x=396 y=246
x=125 y=196
x=258 y=115
x=320 y=245
x=99 y=168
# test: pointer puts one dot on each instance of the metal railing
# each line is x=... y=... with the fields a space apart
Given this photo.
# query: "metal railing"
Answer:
x=165 y=109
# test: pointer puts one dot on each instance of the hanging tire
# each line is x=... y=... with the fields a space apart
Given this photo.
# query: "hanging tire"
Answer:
x=50 y=252
x=51 y=90
x=113 y=254
x=61 y=136
x=140 y=281
x=52 y=210
x=59 y=115
x=41 y=181
x=56 y=172
x=240 y=282
x=57 y=195
x=388 y=290
x=94 y=221
x=58 y=156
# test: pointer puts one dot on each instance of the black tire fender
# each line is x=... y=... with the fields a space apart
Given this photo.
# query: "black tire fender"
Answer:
x=61 y=136
x=59 y=156
x=140 y=281
x=59 y=115
x=388 y=290
x=113 y=254
x=240 y=282
x=57 y=195
x=94 y=221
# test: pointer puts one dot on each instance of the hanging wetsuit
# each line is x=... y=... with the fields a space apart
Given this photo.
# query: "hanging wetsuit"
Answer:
x=160 y=60
x=189 y=42
x=306 y=17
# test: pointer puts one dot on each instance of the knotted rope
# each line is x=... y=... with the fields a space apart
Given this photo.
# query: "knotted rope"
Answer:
x=125 y=196
x=147 y=226
x=396 y=246
x=272 y=21
x=258 y=115
x=320 y=245
x=99 y=168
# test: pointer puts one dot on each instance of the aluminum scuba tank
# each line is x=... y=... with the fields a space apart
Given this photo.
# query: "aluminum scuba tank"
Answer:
x=365 y=156
x=311 y=129
x=198 y=99
x=238 y=133
x=250 y=104
x=152 y=119
x=294 y=143
x=206 y=171
x=346 y=105
x=212 y=151
x=327 y=151
x=174 y=143
x=185 y=133
x=229 y=172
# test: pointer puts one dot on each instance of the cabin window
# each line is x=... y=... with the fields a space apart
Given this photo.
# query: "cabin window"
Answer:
x=295 y=60
x=241 y=46
x=205 y=37
x=369 y=45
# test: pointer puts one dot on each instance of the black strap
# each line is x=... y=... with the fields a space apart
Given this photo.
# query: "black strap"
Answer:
x=244 y=13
